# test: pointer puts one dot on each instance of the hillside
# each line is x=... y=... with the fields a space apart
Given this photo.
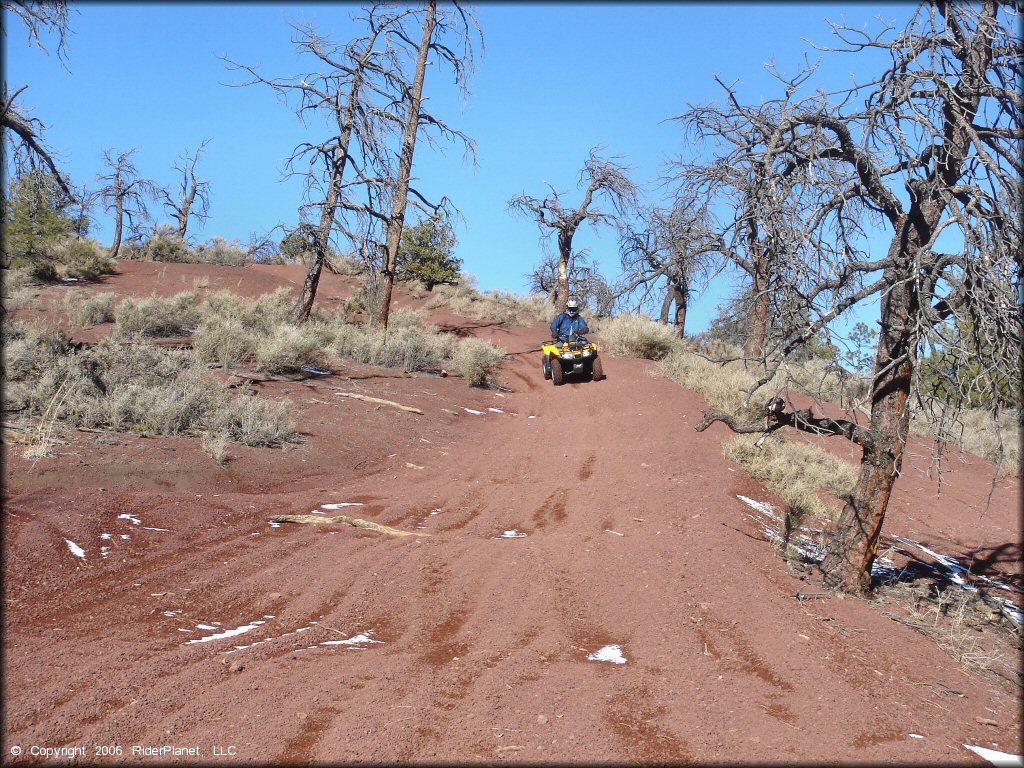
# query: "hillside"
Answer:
x=149 y=601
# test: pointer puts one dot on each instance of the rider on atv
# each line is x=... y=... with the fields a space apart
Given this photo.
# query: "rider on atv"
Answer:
x=570 y=323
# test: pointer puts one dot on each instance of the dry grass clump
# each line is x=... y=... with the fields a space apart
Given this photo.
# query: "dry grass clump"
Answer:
x=795 y=472
x=976 y=431
x=633 y=336
x=492 y=306
x=967 y=625
x=721 y=385
x=474 y=359
x=87 y=309
x=157 y=317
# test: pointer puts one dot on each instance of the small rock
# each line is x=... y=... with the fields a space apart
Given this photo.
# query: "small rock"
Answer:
x=237 y=666
x=542 y=719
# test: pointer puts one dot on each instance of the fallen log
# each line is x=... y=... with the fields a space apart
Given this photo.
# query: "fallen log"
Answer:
x=368 y=399
x=344 y=520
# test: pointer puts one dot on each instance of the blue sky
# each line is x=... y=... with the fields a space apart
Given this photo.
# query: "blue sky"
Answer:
x=553 y=81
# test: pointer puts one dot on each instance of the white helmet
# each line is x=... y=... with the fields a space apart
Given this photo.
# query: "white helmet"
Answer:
x=572 y=306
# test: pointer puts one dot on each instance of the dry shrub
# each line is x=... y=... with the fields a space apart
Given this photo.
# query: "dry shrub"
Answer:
x=474 y=359
x=795 y=472
x=257 y=422
x=126 y=384
x=224 y=341
x=157 y=317
x=632 y=336
x=215 y=445
x=220 y=251
x=81 y=258
x=721 y=385
x=262 y=314
x=289 y=348
x=87 y=309
x=407 y=343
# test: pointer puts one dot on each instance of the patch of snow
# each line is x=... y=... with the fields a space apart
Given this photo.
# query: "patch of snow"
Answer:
x=226 y=633
x=125 y=536
x=495 y=410
x=341 y=504
x=513 y=534
x=610 y=653
x=357 y=643
x=316 y=371
x=147 y=528
x=104 y=551
x=915 y=735
x=105 y=536
x=475 y=413
x=204 y=626
x=274 y=525
x=130 y=518
x=531 y=417
x=76 y=550
x=996 y=758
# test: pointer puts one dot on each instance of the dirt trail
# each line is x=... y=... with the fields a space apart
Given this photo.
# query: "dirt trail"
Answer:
x=466 y=644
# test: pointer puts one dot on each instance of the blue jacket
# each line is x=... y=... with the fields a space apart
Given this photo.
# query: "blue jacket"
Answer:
x=563 y=325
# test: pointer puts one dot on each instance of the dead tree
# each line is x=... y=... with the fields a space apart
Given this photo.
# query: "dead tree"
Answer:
x=191 y=199
x=930 y=149
x=457 y=23
x=344 y=90
x=22 y=132
x=584 y=279
x=760 y=199
x=125 y=193
x=606 y=180
x=668 y=248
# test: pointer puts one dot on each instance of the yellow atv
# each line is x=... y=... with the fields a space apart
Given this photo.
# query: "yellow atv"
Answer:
x=570 y=357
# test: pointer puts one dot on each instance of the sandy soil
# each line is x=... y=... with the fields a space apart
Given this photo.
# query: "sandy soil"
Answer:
x=205 y=628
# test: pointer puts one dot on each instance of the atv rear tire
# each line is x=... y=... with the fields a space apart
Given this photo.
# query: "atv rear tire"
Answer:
x=597 y=371
x=557 y=377
x=546 y=367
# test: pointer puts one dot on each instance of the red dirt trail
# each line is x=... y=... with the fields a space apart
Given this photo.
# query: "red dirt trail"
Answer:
x=634 y=537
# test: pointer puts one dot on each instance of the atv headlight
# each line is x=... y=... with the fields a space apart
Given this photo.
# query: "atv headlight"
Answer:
x=587 y=353
x=566 y=355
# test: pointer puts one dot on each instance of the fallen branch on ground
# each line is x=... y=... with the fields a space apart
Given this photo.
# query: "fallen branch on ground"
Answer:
x=776 y=417
x=345 y=520
x=366 y=398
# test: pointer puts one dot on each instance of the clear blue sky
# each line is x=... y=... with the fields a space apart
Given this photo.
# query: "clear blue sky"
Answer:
x=554 y=81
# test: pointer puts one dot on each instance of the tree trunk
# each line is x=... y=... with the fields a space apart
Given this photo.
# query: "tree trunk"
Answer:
x=564 y=253
x=303 y=307
x=183 y=211
x=397 y=219
x=851 y=552
x=757 y=333
x=118 y=223
x=677 y=292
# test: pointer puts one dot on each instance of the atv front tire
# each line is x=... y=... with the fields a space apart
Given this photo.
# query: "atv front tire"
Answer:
x=546 y=367
x=557 y=377
x=597 y=371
